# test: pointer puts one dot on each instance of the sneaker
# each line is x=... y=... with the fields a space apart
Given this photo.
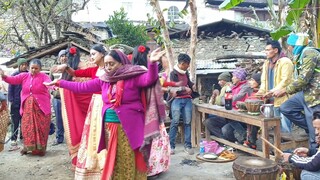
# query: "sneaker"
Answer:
x=189 y=150
x=55 y=143
x=172 y=152
x=14 y=143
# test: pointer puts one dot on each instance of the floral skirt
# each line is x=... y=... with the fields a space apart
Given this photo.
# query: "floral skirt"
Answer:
x=4 y=122
x=35 y=127
x=159 y=159
x=122 y=162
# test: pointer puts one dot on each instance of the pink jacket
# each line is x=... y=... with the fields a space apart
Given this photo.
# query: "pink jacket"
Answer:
x=33 y=85
x=240 y=91
x=131 y=112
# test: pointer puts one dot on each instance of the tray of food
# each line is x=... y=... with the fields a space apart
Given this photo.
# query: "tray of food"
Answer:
x=225 y=156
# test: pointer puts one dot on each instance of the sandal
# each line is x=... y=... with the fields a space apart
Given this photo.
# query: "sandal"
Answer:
x=14 y=148
x=24 y=151
x=249 y=144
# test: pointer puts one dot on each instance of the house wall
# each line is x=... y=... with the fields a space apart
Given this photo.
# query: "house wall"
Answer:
x=209 y=48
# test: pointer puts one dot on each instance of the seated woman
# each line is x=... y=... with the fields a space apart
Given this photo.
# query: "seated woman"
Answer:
x=232 y=130
x=252 y=131
x=123 y=112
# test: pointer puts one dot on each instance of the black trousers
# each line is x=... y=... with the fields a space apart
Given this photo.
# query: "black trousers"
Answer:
x=15 y=122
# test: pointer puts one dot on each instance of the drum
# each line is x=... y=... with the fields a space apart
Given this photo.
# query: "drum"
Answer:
x=253 y=106
x=255 y=168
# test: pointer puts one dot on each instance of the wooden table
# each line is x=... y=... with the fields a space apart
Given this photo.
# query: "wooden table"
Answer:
x=200 y=112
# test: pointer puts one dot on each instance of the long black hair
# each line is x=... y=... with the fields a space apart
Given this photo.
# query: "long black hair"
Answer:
x=73 y=55
x=140 y=55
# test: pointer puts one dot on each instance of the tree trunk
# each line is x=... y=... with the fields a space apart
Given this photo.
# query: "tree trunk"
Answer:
x=193 y=38
x=167 y=43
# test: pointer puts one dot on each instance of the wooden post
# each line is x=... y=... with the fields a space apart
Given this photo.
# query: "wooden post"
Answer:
x=193 y=38
x=167 y=43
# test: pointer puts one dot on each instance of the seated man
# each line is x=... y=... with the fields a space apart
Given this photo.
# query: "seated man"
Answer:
x=215 y=123
x=217 y=98
x=231 y=130
x=300 y=159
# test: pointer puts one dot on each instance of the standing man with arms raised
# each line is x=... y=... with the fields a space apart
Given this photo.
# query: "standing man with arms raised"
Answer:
x=15 y=101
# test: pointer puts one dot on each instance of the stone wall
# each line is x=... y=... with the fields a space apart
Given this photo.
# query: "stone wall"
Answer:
x=209 y=48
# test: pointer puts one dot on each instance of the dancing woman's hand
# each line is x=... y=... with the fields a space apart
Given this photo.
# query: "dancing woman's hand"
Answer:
x=52 y=83
x=1 y=73
x=156 y=55
x=59 y=68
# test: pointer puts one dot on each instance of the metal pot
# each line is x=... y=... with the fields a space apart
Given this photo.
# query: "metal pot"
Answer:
x=267 y=110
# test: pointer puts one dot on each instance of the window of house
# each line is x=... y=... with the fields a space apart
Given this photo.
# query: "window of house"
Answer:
x=127 y=6
x=173 y=12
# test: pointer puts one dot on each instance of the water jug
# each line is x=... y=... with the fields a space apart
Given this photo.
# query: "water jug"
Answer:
x=267 y=110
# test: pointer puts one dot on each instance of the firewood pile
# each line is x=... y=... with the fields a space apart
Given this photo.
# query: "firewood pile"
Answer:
x=251 y=65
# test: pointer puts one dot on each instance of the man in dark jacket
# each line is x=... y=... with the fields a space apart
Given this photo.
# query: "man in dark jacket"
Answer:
x=301 y=157
x=182 y=103
x=56 y=101
x=14 y=99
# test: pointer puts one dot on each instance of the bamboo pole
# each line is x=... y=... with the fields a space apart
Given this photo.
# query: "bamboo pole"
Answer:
x=274 y=147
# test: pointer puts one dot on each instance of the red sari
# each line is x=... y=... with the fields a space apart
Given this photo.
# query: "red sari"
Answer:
x=73 y=120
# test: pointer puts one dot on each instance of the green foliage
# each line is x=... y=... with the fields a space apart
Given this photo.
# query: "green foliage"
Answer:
x=157 y=28
x=183 y=13
x=292 y=19
x=296 y=9
x=228 y=4
x=125 y=31
x=6 y=5
x=281 y=32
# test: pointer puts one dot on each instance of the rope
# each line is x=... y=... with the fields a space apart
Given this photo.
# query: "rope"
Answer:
x=5 y=142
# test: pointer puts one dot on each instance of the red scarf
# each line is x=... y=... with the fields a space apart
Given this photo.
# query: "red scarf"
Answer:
x=116 y=97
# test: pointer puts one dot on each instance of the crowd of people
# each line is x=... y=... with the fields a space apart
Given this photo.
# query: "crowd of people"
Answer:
x=113 y=120
x=291 y=85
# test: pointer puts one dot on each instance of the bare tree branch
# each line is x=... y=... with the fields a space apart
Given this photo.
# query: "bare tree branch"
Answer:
x=20 y=38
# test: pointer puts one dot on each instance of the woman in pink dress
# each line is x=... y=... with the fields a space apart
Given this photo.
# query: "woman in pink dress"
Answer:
x=85 y=131
x=123 y=113
x=35 y=107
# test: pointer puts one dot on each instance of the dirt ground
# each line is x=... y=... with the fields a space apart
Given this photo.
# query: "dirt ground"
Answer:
x=56 y=165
